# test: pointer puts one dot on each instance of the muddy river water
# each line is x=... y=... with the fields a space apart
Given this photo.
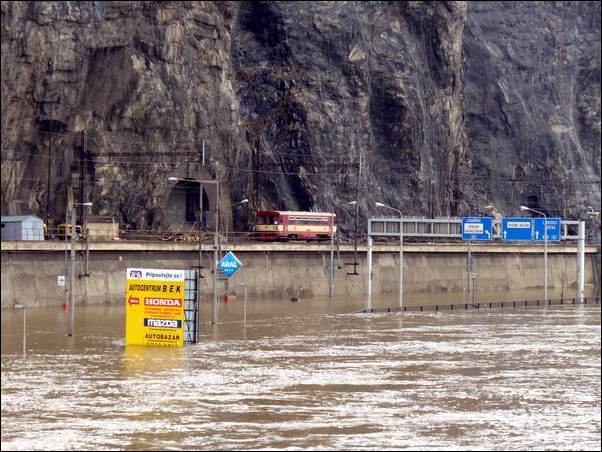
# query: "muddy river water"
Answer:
x=308 y=375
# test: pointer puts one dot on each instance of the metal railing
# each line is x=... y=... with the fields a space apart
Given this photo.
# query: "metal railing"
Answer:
x=168 y=235
x=450 y=227
x=482 y=305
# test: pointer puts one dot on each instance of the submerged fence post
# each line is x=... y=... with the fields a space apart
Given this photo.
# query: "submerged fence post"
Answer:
x=244 y=318
x=24 y=309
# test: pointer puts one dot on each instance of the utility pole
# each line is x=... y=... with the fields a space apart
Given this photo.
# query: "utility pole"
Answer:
x=72 y=205
x=49 y=165
x=215 y=256
x=331 y=291
x=581 y=261
x=82 y=200
x=201 y=220
x=72 y=272
x=545 y=249
x=199 y=274
x=357 y=207
x=468 y=272
x=400 y=279
x=256 y=176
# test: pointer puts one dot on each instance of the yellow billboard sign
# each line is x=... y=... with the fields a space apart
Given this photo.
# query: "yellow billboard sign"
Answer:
x=154 y=307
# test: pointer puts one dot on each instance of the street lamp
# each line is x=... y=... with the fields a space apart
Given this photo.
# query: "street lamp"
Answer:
x=236 y=204
x=545 y=248
x=72 y=272
x=380 y=204
x=491 y=209
x=24 y=308
x=215 y=239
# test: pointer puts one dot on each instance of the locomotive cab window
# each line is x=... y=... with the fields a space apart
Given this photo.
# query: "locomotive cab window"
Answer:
x=267 y=219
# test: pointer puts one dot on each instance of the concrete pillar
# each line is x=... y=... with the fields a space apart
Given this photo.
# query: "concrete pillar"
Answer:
x=369 y=267
x=581 y=261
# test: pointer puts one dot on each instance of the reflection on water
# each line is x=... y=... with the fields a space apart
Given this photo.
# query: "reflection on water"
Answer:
x=308 y=375
x=139 y=360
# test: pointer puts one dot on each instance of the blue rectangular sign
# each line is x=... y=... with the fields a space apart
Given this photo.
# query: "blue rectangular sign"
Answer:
x=519 y=228
x=229 y=264
x=476 y=228
x=553 y=226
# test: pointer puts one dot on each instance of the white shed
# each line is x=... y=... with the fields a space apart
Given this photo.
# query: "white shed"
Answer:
x=22 y=227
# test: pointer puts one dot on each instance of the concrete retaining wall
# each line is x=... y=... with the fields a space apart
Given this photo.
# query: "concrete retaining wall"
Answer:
x=31 y=276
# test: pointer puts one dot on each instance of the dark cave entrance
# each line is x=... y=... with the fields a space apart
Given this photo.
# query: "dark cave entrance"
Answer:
x=184 y=204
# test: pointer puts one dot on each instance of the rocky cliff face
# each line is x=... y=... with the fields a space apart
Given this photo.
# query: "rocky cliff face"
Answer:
x=446 y=105
x=532 y=104
x=147 y=82
x=324 y=85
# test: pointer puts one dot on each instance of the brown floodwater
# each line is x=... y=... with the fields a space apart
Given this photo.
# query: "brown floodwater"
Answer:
x=308 y=375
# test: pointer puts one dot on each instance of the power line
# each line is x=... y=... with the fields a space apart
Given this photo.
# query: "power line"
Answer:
x=103 y=180
x=143 y=154
x=502 y=178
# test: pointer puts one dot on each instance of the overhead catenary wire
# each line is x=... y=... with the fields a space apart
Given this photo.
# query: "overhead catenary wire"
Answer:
x=97 y=157
x=100 y=180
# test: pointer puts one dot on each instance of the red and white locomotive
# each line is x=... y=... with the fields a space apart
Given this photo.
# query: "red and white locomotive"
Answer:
x=289 y=225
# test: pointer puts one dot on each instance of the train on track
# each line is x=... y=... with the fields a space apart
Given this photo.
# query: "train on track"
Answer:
x=277 y=225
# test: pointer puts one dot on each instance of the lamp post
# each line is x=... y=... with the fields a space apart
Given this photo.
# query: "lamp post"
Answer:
x=215 y=241
x=227 y=282
x=380 y=204
x=545 y=249
x=72 y=272
x=24 y=308
x=331 y=278
x=236 y=204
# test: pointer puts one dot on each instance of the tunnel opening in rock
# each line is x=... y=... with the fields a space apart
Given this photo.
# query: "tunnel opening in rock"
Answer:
x=183 y=205
x=533 y=202
x=51 y=126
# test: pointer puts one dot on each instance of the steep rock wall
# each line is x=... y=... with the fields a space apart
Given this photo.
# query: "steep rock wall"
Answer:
x=532 y=84
x=147 y=81
x=448 y=105
x=325 y=84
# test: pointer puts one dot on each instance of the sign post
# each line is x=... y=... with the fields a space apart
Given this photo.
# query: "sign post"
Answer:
x=519 y=228
x=229 y=264
x=552 y=229
x=154 y=307
x=476 y=228
x=546 y=229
